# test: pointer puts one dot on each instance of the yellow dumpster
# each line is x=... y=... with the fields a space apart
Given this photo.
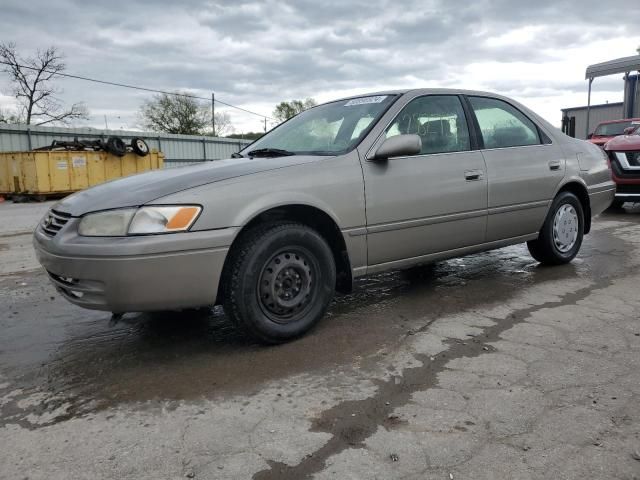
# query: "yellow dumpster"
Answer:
x=60 y=172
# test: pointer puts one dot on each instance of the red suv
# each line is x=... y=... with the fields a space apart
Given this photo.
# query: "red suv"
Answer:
x=624 y=158
x=605 y=131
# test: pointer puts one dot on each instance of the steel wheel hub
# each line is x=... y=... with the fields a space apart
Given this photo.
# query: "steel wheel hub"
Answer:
x=285 y=285
x=565 y=228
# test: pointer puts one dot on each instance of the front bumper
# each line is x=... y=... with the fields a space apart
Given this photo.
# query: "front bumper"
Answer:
x=628 y=192
x=135 y=274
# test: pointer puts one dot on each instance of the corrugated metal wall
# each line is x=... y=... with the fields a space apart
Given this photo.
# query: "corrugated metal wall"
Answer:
x=599 y=113
x=178 y=149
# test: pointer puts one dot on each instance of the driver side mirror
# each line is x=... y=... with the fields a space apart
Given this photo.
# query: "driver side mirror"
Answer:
x=629 y=130
x=590 y=136
x=398 y=146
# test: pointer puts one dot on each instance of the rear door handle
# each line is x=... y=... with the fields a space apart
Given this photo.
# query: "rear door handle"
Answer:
x=471 y=175
x=554 y=165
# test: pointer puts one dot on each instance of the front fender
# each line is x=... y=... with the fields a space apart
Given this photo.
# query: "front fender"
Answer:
x=281 y=199
x=334 y=185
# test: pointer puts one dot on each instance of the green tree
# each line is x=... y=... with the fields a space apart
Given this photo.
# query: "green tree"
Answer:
x=285 y=110
x=174 y=114
x=246 y=136
x=177 y=113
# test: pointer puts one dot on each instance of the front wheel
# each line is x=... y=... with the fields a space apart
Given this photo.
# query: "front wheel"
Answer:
x=278 y=281
x=561 y=235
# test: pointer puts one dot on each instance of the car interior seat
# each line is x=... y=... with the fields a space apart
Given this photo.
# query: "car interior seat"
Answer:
x=436 y=135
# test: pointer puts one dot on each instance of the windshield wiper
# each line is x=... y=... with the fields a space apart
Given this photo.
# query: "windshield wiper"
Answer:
x=269 y=152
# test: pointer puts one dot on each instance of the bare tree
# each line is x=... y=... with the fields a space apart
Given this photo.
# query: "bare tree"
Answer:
x=8 y=117
x=32 y=82
x=223 y=124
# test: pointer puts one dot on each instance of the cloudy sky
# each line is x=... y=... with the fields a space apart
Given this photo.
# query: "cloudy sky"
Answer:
x=255 y=54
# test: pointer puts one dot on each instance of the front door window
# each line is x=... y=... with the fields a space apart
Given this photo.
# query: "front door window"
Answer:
x=439 y=120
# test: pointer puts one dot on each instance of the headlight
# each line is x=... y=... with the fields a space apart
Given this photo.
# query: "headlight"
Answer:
x=145 y=220
x=111 y=223
x=163 y=219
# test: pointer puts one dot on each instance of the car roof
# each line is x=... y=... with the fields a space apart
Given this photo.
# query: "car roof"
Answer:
x=423 y=91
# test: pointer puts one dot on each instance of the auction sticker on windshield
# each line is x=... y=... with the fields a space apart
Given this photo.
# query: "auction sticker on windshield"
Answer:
x=365 y=100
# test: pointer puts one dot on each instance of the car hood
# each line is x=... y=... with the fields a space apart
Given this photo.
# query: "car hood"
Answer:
x=137 y=190
x=623 y=143
x=601 y=140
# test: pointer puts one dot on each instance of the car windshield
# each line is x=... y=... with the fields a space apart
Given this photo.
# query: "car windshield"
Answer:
x=612 y=129
x=327 y=129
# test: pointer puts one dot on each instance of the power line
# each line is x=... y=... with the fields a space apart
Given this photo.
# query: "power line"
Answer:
x=134 y=87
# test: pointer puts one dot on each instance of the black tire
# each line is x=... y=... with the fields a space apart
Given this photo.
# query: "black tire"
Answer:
x=139 y=146
x=116 y=146
x=545 y=248
x=268 y=256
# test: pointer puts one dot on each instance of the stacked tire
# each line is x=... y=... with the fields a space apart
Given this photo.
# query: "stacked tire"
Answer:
x=116 y=146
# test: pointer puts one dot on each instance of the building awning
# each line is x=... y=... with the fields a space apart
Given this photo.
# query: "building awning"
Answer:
x=619 y=65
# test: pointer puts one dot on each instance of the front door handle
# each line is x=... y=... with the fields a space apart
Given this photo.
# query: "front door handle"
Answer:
x=471 y=175
x=554 y=165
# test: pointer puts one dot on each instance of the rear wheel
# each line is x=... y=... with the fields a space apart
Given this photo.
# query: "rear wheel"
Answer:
x=561 y=235
x=278 y=281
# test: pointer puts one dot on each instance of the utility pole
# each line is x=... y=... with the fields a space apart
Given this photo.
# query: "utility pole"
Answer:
x=106 y=125
x=265 y=124
x=213 y=114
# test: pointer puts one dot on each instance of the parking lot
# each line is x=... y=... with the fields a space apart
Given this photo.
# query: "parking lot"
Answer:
x=487 y=366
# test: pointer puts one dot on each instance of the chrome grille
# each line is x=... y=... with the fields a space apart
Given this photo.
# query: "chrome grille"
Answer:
x=53 y=222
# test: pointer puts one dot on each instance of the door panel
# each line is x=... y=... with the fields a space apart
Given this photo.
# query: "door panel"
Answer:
x=523 y=172
x=424 y=204
x=431 y=202
x=521 y=185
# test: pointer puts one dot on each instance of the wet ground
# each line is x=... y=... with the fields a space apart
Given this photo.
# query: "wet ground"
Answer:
x=488 y=366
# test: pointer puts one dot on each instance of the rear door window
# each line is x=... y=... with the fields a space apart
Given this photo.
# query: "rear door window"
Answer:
x=502 y=125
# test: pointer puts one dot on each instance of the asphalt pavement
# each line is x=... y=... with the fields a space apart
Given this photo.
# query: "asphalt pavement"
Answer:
x=483 y=367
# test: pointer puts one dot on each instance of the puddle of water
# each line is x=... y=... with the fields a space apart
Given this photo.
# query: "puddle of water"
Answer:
x=77 y=356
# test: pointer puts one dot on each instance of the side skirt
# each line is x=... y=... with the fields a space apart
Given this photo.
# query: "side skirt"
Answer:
x=434 y=257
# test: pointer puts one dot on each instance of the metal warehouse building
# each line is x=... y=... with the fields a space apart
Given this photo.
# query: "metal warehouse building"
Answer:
x=579 y=122
x=574 y=120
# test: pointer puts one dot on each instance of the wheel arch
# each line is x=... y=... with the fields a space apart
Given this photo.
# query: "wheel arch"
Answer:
x=314 y=217
x=579 y=189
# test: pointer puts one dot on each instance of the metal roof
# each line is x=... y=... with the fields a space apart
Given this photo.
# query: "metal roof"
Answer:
x=584 y=107
x=619 y=65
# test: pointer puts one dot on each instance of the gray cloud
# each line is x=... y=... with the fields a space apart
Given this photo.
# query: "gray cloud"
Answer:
x=256 y=53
